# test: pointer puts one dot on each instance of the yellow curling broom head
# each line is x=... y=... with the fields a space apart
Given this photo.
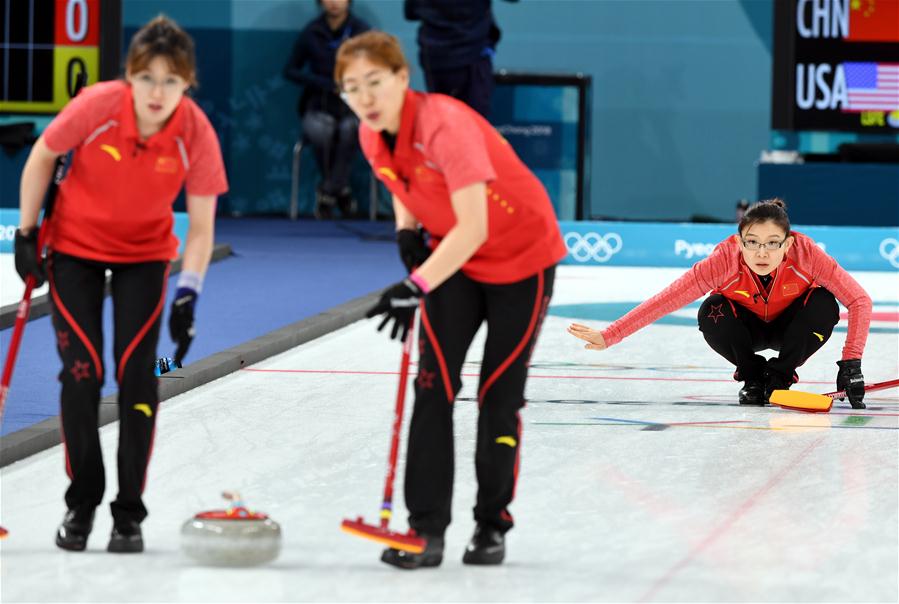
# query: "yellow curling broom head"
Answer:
x=801 y=401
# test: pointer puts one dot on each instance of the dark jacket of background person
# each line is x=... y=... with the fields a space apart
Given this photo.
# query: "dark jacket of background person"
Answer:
x=453 y=33
x=317 y=45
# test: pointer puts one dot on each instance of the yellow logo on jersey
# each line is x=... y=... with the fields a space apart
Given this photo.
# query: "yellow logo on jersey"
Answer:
x=387 y=172
x=144 y=408
x=741 y=292
x=818 y=335
x=113 y=152
x=506 y=440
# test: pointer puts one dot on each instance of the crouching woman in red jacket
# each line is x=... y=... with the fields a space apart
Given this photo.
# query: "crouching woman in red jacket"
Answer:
x=772 y=288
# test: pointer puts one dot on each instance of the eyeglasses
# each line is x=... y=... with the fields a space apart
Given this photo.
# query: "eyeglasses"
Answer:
x=752 y=244
x=169 y=85
x=372 y=86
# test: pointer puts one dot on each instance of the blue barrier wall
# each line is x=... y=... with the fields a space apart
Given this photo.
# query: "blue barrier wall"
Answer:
x=9 y=220
x=682 y=245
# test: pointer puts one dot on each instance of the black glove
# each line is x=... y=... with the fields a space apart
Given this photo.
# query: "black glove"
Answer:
x=181 y=321
x=28 y=258
x=399 y=302
x=851 y=381
x=413 y=249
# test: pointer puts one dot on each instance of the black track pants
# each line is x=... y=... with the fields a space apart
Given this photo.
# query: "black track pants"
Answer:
x=452 y=315
x=797 y=333
x=138 y=293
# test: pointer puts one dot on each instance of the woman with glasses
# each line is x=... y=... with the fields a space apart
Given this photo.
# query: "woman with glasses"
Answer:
x=493 y=250
x=136 y=142
x=772 y=288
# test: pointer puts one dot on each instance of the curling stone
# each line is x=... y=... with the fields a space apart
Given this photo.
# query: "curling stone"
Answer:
x=232 y=537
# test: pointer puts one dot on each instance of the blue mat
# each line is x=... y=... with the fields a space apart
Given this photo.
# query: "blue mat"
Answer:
x=281 y=272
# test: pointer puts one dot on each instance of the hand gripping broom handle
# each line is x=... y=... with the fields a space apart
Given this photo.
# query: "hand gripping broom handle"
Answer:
x=387 y=505
x=25 y=305
x=59 y=171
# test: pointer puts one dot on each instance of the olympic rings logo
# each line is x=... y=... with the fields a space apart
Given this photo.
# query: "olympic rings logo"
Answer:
x=592 y=246
x=889 y=249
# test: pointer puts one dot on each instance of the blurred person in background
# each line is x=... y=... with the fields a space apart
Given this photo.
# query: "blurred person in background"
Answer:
x=456 y=43
x=327 y=123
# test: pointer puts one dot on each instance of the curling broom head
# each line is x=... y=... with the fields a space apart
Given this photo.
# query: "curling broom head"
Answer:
x=407 y=542
x=801 y=401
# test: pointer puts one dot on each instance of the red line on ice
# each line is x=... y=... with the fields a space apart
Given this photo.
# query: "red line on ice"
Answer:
x=536 y=377
x=719 y=530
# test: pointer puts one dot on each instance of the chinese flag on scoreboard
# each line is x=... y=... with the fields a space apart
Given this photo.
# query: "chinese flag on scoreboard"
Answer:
x=873 y=21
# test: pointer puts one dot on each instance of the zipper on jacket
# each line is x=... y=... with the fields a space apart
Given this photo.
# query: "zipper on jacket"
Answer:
x=756 y=281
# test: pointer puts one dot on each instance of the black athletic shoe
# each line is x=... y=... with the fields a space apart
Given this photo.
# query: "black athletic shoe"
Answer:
x=753 y=393
x=73 y=532
x=324 y=206
x=347 y=204
x=487 y=546
x=126 y=538
x=432 y=556
x=778 y=381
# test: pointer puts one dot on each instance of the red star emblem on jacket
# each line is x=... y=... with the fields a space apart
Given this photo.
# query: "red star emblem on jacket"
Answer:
x=716 y=313
x=81 y=371
x=426 y=378
x=62 y=339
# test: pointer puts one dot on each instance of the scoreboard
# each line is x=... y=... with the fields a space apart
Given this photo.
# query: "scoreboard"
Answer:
x=836 y=65
x=46 y=44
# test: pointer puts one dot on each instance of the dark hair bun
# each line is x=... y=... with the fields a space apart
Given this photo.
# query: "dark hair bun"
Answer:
x=773 y=210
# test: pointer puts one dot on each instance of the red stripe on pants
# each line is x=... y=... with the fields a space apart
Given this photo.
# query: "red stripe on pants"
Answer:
x=521 y=344
x=143 y=330
x=441 y=362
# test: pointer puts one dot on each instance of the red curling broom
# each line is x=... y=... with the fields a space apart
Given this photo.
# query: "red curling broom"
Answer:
x=409 y=541
x=24 y=308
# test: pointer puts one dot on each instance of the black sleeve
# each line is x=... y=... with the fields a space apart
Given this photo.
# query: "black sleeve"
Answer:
x=410 y=10
x=294 y=71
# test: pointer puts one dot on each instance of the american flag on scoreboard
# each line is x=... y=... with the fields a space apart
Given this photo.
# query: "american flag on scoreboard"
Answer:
x=872 y=86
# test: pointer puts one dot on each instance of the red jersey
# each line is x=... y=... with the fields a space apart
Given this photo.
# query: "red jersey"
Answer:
x=442 y=146
x=805 y=265
x=115 y=204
